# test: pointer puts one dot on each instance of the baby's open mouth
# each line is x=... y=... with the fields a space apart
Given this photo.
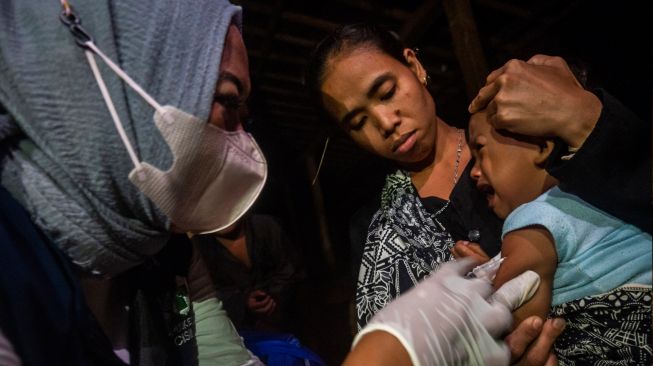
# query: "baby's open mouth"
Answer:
x=488 y=191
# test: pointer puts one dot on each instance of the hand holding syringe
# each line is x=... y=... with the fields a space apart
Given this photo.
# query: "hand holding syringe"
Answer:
x=487 y=270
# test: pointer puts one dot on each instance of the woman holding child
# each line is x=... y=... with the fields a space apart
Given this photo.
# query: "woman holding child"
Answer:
x=376 y=90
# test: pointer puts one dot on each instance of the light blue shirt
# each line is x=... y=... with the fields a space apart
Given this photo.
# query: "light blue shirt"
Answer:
x=596 y=252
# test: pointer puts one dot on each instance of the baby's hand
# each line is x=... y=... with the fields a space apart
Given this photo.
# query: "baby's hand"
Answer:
x=464 y=249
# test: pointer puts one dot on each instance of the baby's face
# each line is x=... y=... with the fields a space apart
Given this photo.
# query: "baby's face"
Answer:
x=506 y=166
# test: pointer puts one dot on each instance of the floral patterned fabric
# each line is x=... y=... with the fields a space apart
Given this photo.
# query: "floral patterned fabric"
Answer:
x=404 y=244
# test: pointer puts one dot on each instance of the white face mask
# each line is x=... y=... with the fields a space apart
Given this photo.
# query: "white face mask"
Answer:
x=216 y=175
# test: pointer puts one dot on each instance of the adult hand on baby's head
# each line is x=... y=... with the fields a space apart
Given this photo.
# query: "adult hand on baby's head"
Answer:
x=464 y=249
x=540 y=97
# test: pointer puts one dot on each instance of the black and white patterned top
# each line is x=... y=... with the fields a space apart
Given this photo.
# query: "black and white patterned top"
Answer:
x=404 y=243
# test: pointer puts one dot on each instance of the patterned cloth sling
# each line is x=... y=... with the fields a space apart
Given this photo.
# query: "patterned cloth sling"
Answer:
x=404 y=244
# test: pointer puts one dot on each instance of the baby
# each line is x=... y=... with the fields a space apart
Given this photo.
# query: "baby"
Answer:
x=595 y=269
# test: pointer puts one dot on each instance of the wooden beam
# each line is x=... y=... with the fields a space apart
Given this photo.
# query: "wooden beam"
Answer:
x=466 y=44
x=273 y=25
x=292 y=118
x=507 y=8
x=373 y=6
x=545 y=24
x=310 y=21
x=283 y=92
x=267 y=56
x=413 y=29
x=287 y=38
x=290 y=106
x=438 y=52
x=297 y=41
x=275 y=76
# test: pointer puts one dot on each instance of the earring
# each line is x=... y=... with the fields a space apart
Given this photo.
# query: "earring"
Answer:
x=425 y=80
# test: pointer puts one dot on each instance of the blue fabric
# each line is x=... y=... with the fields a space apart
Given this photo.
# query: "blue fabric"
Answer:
x=42 y=309
x=71 y=170
x=279 y=349
x=596 y=252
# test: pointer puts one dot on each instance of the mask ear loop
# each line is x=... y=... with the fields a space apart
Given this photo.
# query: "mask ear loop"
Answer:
x=125 y=77
x=319 y=166
x=89 y=44
x=84 y=40
x=112 y=109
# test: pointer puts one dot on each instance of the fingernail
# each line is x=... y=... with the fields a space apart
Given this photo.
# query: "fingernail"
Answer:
x=559 y=324
x=464 y=242
x=537 y=323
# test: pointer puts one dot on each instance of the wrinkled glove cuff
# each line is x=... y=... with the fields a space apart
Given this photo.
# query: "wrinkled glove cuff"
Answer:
x=372 y=327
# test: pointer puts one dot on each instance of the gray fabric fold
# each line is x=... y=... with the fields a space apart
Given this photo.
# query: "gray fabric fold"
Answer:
x=70 y=172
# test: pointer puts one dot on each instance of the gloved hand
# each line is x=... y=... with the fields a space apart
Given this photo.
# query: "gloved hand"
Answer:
x=8 y=356
x=447 y=319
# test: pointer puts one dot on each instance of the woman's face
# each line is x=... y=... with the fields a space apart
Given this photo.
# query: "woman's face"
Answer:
x=233 y=86
x=381 y=103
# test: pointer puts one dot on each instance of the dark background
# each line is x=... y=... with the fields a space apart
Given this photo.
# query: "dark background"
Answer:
x=611 y=39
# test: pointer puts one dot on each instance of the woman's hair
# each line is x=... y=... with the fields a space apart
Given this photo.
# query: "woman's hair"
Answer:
x=345 y=39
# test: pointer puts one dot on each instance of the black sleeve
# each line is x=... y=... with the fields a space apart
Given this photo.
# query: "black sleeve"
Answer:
x=612 y=170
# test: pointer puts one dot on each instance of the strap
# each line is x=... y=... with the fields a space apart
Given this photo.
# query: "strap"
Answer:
x=112 y=109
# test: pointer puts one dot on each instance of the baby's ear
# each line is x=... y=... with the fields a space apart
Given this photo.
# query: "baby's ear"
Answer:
x=546 y=147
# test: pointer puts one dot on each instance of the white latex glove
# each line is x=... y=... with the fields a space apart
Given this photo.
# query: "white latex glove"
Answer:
x=447 y=320
x=7 y=355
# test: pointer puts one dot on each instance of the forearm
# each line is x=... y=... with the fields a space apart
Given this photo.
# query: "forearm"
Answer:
x=218 y=343
x=612 y=170
x=378 y=348
x=587 y=108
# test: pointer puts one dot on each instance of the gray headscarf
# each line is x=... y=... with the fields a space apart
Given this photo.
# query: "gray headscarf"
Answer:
x=70 y=168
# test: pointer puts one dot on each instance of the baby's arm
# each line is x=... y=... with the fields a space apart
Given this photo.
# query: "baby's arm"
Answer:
x=529 y=248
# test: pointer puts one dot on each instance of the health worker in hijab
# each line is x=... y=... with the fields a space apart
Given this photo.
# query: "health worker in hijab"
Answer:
x=106 y=149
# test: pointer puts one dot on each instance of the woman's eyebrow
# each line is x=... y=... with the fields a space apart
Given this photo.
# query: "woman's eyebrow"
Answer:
x=378 y=81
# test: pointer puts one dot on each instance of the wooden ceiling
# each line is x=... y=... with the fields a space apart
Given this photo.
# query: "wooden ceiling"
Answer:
x=453 y=36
